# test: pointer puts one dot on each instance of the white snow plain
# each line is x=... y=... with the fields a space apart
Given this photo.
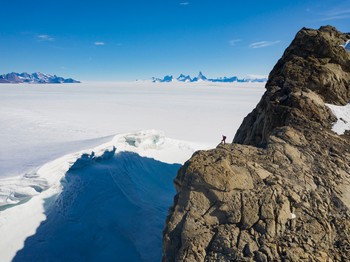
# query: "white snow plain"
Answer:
x=342 y=113
x=39 y=123
x=110 y=201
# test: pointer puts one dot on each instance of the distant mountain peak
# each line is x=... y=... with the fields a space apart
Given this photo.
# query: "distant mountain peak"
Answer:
x=34 y=78
x=167 y=78
x=202 y=77
x=183 y=78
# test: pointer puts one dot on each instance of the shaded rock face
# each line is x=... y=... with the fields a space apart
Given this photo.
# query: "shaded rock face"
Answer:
x=281 y=191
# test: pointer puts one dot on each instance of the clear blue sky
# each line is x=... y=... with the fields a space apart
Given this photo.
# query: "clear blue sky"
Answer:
x=138 y=39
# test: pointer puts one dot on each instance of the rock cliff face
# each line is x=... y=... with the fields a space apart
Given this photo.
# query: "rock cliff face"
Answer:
x=281 y=190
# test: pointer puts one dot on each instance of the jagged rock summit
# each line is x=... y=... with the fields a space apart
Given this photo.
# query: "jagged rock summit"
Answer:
x=281 y=190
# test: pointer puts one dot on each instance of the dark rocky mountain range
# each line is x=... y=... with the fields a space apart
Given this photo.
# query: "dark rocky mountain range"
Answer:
x=281 y=190
x=34 y=78
x=201 y=77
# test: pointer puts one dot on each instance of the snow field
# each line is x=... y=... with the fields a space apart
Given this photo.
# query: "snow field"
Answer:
x=39 y=123
x=112 y=200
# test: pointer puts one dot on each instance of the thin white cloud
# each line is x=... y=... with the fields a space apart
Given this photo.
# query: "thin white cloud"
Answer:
x=233 y=42
x=262 y=44
x=45 y=38
x=184 y=3
x=337 y=12
x=99 y=43
x=336 y=15
x=342 y=11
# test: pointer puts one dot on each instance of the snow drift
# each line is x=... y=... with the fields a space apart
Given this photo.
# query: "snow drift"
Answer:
x=95 y=205
x=342 y=113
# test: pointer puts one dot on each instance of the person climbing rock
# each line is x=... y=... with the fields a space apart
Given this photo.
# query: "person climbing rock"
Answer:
x=223 y=141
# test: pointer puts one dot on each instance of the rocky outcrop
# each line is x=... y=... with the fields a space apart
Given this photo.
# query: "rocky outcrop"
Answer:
x=281 y=190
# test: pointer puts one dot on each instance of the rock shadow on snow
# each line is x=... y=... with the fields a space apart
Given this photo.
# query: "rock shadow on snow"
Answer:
x=111 y=208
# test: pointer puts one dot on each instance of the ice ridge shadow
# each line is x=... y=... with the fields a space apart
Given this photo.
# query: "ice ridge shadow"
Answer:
x=112 y=208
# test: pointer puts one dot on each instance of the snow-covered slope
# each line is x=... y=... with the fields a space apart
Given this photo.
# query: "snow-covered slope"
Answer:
x=95 y=205
x=343 y=115
x=347 y=45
